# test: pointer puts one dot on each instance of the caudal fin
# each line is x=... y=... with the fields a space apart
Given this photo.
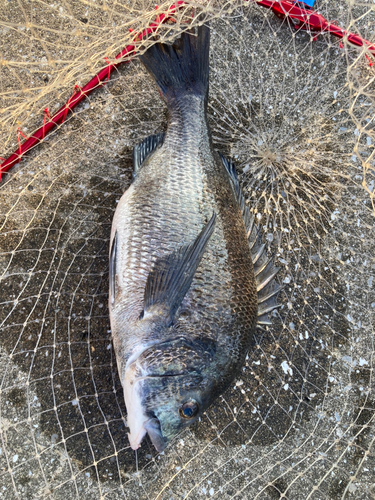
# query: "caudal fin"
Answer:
x=182 y=67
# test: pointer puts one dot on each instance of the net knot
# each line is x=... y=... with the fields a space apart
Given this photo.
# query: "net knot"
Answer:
x=67 y=107
x=46 y=115
x=19 y=132
x=110 y=66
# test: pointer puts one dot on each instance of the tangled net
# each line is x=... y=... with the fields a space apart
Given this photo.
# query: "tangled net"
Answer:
x=297 y=116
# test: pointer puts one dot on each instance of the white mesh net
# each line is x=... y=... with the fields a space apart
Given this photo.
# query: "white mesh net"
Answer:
x=296 y=114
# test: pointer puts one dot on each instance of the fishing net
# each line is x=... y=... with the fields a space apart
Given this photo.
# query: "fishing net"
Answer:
x=296 y=114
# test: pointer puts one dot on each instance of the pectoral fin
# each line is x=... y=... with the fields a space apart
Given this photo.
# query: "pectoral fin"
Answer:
x=112 y=269
x=171 y=276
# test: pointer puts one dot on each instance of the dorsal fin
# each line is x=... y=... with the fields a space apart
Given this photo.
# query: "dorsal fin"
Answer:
x=231 y=169
x=142 y=150
x=264 y=269
x=171 y=276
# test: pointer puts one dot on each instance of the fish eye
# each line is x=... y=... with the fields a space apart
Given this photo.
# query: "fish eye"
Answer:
x=189 y=409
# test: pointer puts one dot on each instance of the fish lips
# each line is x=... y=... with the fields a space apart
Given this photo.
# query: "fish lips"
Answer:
x=153 y=429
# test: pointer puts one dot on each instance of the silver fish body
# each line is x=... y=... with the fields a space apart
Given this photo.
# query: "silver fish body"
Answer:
x=183 y=294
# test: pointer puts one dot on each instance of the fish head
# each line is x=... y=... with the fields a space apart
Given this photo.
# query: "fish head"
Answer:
x=172 y=403
x=167 y=388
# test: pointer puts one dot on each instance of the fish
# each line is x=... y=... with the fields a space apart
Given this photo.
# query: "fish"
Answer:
x=189 y=276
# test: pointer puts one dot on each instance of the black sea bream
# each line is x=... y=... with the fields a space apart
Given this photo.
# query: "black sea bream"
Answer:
x=189 y=278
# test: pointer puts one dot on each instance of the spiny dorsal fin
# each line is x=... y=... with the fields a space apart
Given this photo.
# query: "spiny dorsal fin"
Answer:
x=142 y=150
x=267 y=302
x=264 y=269
x=231 y=169
x=171 y=276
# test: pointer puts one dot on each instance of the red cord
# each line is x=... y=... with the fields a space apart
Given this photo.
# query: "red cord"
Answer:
x=370 y=63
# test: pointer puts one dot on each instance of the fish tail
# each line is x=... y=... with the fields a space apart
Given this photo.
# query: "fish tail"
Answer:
x=181 y=68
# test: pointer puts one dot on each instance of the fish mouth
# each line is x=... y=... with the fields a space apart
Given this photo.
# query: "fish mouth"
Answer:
x=159 y=375
x=139 y=421
x=153 y=429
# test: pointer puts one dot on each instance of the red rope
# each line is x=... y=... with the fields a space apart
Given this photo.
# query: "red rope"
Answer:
x=307 y=19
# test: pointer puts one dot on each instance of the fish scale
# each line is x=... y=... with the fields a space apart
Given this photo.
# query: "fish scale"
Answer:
x=183 y=293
